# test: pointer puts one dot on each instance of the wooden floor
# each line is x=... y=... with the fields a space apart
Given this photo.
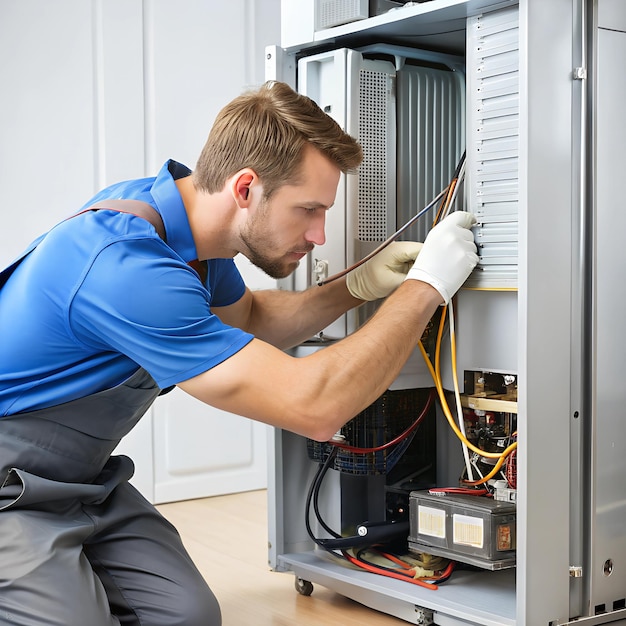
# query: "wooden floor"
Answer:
x=227 y=538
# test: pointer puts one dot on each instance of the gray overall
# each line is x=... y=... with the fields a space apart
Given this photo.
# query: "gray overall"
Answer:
x=79 y=546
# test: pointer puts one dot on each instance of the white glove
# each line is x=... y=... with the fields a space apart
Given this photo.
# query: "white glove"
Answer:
x=448 y=256
x=385 y=271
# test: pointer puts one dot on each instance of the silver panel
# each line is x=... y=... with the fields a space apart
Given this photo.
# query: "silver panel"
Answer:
x=547 y=201
x=608 y=562
x=580 y=340
x=611 y=14
x=431 y=139
x=492 y=189
x=473 y=599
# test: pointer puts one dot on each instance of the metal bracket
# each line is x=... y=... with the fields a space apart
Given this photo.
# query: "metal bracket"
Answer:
x=595 y=620
x=579 y=73
x=424 y=617
x=280 y=65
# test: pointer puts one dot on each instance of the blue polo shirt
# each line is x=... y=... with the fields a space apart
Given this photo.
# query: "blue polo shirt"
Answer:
x=102 y=294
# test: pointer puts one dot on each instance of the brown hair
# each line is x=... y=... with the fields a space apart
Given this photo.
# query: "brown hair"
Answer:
x=266 y=130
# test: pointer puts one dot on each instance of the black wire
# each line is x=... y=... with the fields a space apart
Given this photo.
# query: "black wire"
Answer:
x=443 y=579
x=397 y=570
x=388 y=241
x=307 y=506
x=459 y=165
x=314 y=490
x=312 y=495
x=316 y=493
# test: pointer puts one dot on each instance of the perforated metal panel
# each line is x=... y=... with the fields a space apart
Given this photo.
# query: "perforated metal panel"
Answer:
x=373 y=187
x=493 y=145
x=359 y=93
x=330 y=13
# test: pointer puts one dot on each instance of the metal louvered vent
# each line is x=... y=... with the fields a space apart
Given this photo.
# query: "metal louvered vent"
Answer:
x=431 y=140
x=329 y=13
x=493 y=145
x=373 y=214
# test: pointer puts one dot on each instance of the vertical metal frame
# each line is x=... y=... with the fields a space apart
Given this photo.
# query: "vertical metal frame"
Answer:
x=544 y=310
x=580 y=424
x=606 y=534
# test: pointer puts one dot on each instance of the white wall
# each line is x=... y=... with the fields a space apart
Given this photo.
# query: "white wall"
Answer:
x=92 y=92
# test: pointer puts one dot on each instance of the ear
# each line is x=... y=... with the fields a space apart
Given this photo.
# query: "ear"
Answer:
x=241 y=187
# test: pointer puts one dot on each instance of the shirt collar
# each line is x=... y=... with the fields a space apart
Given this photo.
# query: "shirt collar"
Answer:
x=171 y=208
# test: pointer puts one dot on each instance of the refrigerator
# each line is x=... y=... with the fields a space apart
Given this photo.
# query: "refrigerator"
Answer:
x=529 y=97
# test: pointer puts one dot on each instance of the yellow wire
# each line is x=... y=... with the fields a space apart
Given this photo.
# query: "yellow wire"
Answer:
x=493 y=472
x=490 y=288
x=457 y=394
x=436 y=376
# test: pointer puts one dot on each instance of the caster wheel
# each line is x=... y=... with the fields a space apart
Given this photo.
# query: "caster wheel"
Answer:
x=304 y=587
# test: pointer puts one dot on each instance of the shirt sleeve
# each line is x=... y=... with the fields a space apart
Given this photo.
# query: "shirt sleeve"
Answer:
x=138 y=299
x=225 y=283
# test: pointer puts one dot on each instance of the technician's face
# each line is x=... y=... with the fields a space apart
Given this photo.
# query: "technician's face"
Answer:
x=280 y=232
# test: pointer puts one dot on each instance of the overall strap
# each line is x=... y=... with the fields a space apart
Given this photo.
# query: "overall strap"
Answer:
x=149 y=213
x=135 y=207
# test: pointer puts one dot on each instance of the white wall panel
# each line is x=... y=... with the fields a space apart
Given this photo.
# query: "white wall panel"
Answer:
x=203 y=451
x=100 y=91
x=118 y=75
x=198 y=56
x=47 y=124
x=196 y=60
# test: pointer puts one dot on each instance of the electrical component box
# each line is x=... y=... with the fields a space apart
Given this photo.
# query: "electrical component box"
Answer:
x=476 y=530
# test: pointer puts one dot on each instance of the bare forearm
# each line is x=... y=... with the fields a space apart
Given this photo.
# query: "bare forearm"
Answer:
x=362 y=367
x=286 y=319
x=315 y=395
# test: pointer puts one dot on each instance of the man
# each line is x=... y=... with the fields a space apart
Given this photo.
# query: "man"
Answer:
x=112 y=306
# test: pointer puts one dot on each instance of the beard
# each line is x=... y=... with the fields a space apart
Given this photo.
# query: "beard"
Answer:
x=272 y=266
x=260 y=242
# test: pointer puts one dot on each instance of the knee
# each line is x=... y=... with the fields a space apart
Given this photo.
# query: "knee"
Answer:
x=197 y=606
x=203 y=611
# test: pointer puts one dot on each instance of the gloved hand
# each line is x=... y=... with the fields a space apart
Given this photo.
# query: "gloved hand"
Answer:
x=448 y=256
x=379 y=276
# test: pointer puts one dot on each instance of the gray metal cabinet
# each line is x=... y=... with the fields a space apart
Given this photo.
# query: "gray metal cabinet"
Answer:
x=558 y=328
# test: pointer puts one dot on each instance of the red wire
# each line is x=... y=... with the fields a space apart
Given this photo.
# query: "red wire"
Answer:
x=398 y=439
x=406 y=573
x=394 y=559
x=459 y=490
x=510 y=469
x=446 y=572
x=397 y=575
